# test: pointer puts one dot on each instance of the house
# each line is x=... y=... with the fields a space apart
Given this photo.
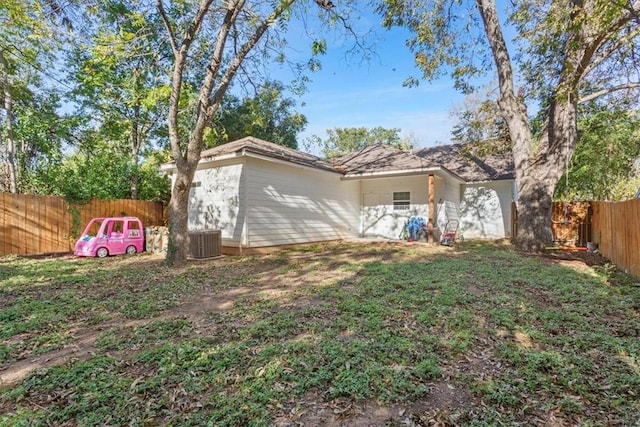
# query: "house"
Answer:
x=262 y=195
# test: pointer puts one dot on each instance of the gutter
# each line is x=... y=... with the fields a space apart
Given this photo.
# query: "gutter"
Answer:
x=399 y=173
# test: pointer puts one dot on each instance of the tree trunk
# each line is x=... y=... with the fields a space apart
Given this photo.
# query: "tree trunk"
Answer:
x=179 y=218
x=537 y=182
x=11 y=143
x=538 y=166
x=534 y=214
x=135 y=181
x=187 y=153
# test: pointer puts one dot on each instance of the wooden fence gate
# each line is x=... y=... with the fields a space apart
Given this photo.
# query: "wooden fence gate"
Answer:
x=570 y=223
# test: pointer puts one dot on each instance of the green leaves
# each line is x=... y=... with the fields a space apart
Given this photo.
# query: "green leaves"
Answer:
x=269 y=115
x=604 y=166
x=319 y=47
x=346 y=140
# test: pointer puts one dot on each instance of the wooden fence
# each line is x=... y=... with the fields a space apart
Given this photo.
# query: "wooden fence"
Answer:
x=613 y=226
x=616 y=230
x=31 y=224
x=570 y=223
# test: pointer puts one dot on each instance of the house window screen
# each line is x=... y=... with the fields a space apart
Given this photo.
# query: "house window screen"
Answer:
x=401 y=201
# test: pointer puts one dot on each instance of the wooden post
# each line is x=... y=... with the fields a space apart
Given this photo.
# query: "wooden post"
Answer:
x=432 y=209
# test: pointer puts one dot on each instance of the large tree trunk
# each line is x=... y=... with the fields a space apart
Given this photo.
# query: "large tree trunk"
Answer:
x=538 y=168
x=534 y=214
x=539 y=174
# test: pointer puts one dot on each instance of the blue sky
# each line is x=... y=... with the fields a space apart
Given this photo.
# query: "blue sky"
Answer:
x=370 y=94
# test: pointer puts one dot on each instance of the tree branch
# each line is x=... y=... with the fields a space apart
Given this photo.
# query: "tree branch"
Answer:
x=602 y=56
x=225 y=80
x=167 y=24
x=607 y=91
x=513 y=109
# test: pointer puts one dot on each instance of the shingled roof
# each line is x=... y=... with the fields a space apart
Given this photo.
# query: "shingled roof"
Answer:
x=269 y=149
x=468 y=167
x=378 y=158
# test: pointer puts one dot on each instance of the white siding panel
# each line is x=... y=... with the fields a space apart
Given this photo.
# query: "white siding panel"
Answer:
x=217 y=201
x=448 y=204
x=289 y=204
x=485 y=211
x=378 y=216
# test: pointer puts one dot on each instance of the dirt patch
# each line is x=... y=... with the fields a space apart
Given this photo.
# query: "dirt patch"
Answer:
x=443 y=405
x=574 y=258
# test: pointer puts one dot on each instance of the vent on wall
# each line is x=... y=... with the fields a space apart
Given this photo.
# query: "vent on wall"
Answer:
x=205 y=244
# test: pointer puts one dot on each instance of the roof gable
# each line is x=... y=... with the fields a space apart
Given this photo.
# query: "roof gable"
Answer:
x=468 y=167
x=261 y=147
x=379 y=158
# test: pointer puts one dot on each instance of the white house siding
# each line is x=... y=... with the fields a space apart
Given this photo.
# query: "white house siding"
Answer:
x=216 y=201
x=485 y=210
x=290 y=204
x=447 y=202
x=379 y=219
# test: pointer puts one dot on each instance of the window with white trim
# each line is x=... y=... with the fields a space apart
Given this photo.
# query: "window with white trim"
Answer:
x=401 y=200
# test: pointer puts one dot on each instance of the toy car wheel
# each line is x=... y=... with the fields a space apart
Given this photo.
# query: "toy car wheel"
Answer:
x=131 y=250
x=102 y=252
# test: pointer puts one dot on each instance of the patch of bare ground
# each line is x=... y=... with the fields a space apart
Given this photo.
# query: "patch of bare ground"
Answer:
x=83 y=346
x=576 y=259
x=84 y=338
x=447 y=401
x=443 y=405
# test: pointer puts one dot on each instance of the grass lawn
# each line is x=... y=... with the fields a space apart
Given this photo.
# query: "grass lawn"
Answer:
x=339 y=334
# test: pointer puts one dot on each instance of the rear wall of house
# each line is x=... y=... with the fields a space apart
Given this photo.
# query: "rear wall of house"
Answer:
x=216 y=201
x=485 y=210
x=382 y=216
x=291 y=204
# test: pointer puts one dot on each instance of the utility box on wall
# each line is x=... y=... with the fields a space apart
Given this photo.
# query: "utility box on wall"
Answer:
x=205 y=244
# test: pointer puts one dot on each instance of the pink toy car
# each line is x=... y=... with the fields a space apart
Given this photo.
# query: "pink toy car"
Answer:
x=111 y=236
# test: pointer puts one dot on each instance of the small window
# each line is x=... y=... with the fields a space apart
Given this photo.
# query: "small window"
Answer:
x=401 y=201
x=134 y=229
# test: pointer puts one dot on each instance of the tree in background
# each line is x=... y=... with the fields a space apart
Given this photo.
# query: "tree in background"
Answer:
x=480 y=127
x=341 y=141
x=605 y=165
x=268 y=115
x=568 y=52
x=120 y=85
x=29 y=129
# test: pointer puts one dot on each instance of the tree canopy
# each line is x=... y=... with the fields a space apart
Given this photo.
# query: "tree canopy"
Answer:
x=268 y=115
x=341 y=141
x=606 y=162
x=86 y=91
